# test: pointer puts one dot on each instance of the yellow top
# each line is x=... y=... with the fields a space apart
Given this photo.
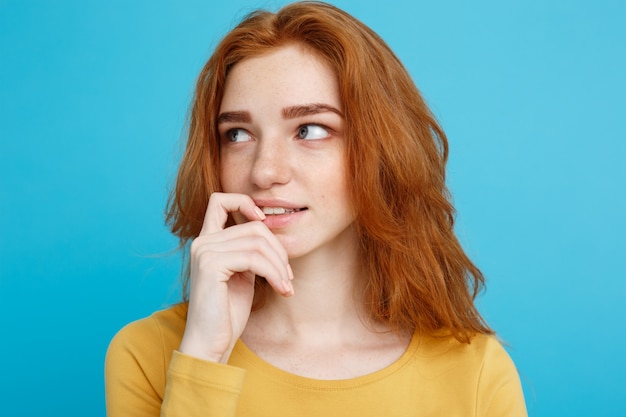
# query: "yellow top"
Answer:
x=145 y=376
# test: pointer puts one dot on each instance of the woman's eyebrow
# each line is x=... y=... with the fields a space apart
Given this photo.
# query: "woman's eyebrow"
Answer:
x=291 y=112
x=234 y=117
x=294 y=112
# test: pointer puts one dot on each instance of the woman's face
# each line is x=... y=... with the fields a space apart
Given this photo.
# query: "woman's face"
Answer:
x=281 y=131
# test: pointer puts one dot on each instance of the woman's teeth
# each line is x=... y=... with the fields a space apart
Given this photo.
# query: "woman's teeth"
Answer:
x=278 y=210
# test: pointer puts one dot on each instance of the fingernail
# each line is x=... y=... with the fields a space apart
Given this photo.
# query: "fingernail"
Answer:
x=287 y=287
x=260 y=213
x=290 y=272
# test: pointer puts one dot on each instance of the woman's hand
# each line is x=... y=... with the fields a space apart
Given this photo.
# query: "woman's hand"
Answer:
x=224 y=263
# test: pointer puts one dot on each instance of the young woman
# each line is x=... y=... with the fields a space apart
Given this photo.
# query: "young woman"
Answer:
x=324 y=275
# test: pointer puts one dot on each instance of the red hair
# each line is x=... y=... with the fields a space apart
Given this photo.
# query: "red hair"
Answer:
x=418 y=276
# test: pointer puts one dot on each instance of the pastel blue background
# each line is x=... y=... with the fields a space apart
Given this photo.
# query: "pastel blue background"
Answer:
x=93 y=100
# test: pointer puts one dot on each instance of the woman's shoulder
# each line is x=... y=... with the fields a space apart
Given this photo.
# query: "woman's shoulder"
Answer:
x=484 y=354
x=160 y=331
x=138 y=357
x=482 y=371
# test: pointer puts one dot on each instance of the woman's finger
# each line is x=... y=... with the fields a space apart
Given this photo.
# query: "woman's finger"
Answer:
x=253 y=261
x=247 y=253
x=221 y=204
x=250 y=229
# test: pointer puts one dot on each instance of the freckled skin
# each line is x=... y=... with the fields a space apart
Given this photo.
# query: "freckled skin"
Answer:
x=273 y=161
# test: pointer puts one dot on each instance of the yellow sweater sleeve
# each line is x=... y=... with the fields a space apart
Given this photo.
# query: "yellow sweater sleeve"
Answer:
x=199 y=388
x=133 y=390
x=146 y=377
x=500 y=392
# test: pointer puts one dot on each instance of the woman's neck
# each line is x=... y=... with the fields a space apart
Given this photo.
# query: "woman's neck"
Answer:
x=328 y=286
x=323 y=330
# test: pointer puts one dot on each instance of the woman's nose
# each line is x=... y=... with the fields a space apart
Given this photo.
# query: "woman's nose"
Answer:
x=272 y=163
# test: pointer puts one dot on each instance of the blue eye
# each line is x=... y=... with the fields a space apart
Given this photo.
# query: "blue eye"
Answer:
x=312 y=132
x=238 y=135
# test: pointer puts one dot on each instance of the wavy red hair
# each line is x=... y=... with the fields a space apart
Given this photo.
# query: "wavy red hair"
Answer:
x=419 y=277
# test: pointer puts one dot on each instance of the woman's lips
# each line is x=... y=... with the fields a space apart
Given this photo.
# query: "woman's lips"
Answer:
x=277 y=218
